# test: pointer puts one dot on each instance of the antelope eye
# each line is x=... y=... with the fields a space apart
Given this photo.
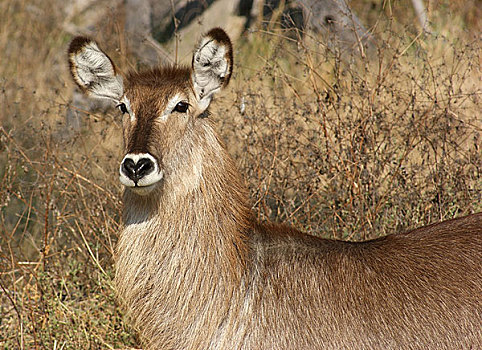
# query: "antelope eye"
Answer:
x=122 y=107
x=181 y=107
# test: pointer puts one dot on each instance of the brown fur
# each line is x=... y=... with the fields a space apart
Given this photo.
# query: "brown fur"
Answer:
x=195 y=270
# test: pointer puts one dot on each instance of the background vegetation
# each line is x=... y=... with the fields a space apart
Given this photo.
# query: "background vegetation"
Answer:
x=343 y=147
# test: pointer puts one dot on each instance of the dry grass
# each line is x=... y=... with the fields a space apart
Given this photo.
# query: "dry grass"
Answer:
x=357 y=150
x=340 y=148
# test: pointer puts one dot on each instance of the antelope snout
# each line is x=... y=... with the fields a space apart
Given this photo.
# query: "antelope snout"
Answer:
x=139 y=171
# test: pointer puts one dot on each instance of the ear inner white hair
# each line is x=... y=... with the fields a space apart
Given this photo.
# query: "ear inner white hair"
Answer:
x=212 y=65
x=93 y=71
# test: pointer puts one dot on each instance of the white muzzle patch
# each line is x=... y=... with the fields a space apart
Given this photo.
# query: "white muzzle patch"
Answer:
x=140 y=172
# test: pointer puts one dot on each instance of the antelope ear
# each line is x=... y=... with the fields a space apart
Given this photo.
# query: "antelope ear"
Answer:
x=212 y=64
x=93 y=71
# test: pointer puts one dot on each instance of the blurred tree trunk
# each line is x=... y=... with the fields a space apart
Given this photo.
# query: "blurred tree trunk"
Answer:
x=334 y=19
x=140 y=17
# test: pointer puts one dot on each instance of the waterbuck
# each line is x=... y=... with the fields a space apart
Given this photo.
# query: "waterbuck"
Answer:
x=195 y=270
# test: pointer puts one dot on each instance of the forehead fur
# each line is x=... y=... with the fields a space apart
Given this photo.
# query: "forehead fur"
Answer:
x=156 y=86
x=161 y=78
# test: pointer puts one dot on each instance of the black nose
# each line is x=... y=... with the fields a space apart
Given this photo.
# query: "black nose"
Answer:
x=136 y=171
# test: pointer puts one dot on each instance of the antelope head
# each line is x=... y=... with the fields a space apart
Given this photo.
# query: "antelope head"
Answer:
x=162 y=108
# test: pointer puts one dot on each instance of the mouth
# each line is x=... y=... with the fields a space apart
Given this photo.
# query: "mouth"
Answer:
x=142 y=190
x=142 y=186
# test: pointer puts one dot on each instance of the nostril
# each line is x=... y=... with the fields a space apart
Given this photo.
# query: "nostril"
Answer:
x=137 y=170
x=129 y=168
x=144 y=166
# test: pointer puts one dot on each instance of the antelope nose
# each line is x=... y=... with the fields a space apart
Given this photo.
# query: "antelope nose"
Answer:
x=140 y=172
x=136 y=170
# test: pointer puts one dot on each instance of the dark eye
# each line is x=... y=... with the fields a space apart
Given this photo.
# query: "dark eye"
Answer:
x=181 y=107
x=122 y=107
